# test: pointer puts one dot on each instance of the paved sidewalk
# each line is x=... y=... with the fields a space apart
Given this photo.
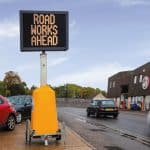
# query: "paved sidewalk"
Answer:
x=75 y=142
x=15 y=140
x=135 y=112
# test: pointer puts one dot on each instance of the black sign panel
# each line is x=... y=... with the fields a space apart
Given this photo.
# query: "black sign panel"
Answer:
x=44 y=30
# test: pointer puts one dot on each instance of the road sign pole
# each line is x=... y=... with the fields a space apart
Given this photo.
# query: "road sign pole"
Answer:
x=43 y=61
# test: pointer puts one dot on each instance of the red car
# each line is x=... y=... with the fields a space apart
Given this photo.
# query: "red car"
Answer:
x=7 y=114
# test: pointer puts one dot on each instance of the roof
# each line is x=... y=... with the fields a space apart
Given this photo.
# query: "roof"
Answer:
x=130 y=71
x=146 y=64
x=121 y=73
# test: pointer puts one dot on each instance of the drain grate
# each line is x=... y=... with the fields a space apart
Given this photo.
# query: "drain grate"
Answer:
x=113 y=148
x=132 y=137
x=103 y=130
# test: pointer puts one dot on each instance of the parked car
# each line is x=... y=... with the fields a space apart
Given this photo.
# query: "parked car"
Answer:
x=23 y=106
x=148 y=119
x=102 y=107
x=135 y=106
x=7 y=114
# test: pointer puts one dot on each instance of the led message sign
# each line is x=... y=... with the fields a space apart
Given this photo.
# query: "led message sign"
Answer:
x=44 y=30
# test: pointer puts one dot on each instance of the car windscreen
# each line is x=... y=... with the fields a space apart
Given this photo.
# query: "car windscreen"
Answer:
x=15 y=100
x=20 y=100
x=108 y=103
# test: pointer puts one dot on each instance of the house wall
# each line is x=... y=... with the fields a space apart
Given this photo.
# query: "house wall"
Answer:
x=135 y=94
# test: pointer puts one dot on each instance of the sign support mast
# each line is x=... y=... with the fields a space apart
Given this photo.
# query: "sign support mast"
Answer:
x=43 y=68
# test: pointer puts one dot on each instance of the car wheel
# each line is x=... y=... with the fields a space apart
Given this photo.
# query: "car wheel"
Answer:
x=88 y=114
x=115 y=116
x=11 y=123
x=19 y=117
x=96 y=114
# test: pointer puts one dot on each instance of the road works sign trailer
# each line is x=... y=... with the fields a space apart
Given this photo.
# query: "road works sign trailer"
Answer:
x=44 y=123
x=43 y=31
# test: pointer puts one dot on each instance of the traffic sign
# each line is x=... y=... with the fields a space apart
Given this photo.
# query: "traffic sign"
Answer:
x=43 y=30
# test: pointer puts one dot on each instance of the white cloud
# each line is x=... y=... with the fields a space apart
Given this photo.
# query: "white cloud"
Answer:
x=132 y=2
x=7 y=1
x=143 y=49
x=35 y=66
x=126 y=2
x=9 y=29
x=94 y=77
x=73 y=24
x=73 y=28
x=57 y=61
x=144 y=53
x=28 y=67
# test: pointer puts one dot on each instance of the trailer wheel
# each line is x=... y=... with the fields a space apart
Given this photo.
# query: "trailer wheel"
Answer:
x=58 y=138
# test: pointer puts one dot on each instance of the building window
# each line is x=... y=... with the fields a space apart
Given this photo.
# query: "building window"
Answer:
x=1 y=101
x=110 y=84
x=114 y=83
x=135 y=79
x=141 y=78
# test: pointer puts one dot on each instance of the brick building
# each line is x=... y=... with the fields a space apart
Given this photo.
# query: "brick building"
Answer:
x=131 y=87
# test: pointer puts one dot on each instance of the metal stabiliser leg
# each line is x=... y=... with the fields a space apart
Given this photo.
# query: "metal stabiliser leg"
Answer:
x=46 y=140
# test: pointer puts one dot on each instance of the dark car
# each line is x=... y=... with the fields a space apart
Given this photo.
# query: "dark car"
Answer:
x=23 y=106
x=136 y=106
x=148 y=119
x=7 y=114
x=103 y=107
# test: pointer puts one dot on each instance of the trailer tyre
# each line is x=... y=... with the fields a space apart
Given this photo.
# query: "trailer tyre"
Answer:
x=58 y=138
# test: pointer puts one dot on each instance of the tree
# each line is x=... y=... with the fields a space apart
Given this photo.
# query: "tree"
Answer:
x=76 y=91
x=104 y=93
x=14 y=85
x=33 y=87
x=17 y=89
x=3 y=88
x=11 y=78
x=60 y=91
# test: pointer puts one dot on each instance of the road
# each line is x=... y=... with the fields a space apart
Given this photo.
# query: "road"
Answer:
x=125 y=133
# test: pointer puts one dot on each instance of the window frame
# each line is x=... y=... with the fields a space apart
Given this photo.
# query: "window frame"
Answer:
x=1 y=101
x=135 y=79
x=114 y=84
x=110 y=84
x=141 y=78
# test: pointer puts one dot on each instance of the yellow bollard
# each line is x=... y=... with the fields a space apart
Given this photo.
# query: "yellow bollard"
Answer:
x=44 y=113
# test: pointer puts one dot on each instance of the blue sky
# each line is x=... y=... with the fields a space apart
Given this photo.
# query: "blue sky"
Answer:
x=105 y=37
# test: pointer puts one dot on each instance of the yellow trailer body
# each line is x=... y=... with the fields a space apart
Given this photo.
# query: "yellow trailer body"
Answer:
x=44 y=113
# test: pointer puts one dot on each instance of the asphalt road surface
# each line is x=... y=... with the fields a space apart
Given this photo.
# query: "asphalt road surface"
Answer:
x=129 y=132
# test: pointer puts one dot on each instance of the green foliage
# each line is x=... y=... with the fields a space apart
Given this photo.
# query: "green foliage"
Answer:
x=33 y=87
x=3 y=88
x=12 y=85
x=14 y=89
x=60 y=91
x=76 y=91
x=17 y=89
x=104 y=93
